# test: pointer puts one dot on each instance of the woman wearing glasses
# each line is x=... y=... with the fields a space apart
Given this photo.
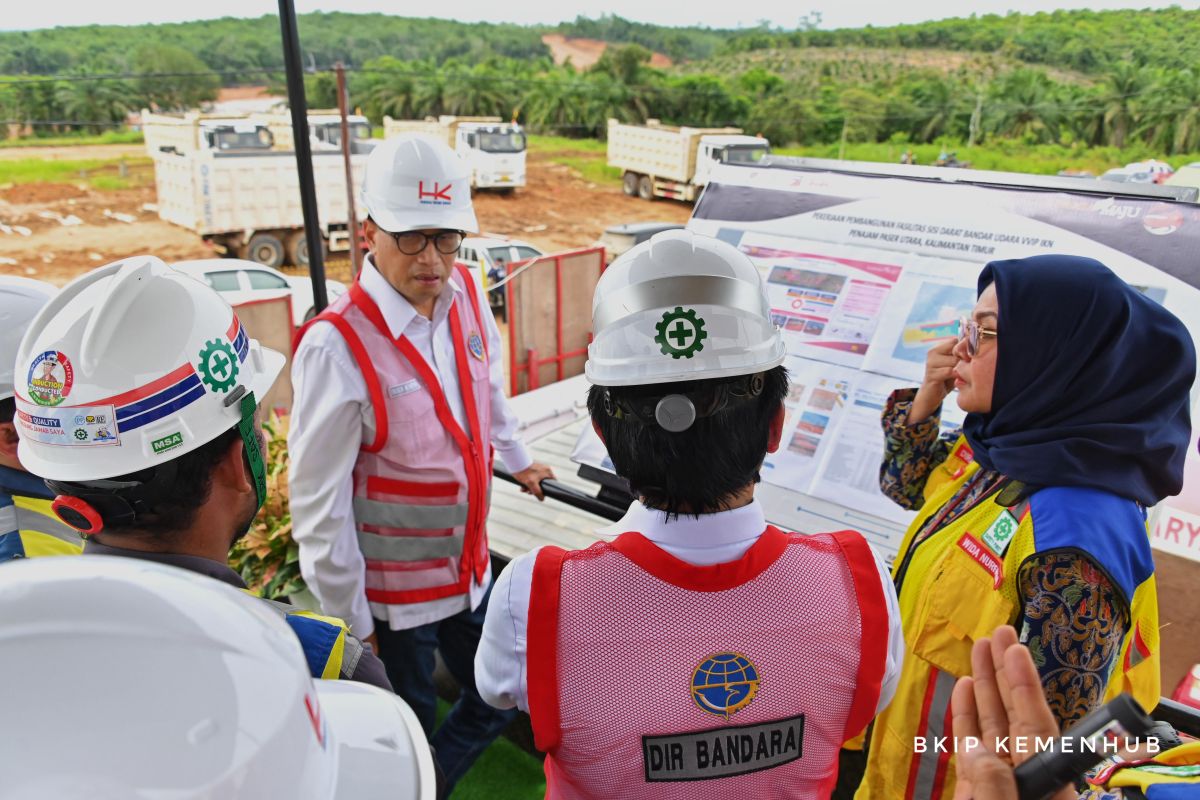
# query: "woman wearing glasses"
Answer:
x=1076 y=392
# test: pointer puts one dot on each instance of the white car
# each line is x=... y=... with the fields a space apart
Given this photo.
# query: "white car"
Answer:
x=489 y=256
x=241 y=281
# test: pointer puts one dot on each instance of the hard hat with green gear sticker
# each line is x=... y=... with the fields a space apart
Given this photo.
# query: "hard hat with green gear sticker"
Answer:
x=160 y=365
x=681 y=307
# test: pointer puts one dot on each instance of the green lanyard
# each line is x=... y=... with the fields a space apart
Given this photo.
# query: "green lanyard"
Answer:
x=254 y=454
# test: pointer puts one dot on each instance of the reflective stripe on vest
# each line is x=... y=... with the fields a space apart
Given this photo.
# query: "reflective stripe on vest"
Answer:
x=29 y=528
x=961 y=583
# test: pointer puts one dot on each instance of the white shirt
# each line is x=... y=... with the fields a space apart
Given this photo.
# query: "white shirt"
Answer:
x=500 y=670
x=332 y=417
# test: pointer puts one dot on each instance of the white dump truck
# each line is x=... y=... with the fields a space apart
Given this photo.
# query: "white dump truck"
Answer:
x=659 y=160
x=495 y=149
x=324 y=130
x=223 y=179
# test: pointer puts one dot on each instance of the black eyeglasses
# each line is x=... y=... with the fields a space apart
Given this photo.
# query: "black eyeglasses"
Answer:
x=970 y=330
x=411 y=243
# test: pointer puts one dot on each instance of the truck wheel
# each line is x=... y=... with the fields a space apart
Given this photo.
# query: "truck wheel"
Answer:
x=629 y=184
x=297 y=249
x=646 y=188
x=266 y=249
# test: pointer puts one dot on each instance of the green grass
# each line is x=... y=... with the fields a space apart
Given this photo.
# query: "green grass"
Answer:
x=503 y=772
x=586 y=156
x=101 y=174
x=552 y=143
x=108 y=137
x=1003 y=155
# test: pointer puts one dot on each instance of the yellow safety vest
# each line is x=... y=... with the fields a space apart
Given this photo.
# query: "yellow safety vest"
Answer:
x=961 y=583
x=28 y=529
x=330 y=652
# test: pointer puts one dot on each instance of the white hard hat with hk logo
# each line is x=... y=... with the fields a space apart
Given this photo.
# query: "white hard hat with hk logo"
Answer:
x=414 y=182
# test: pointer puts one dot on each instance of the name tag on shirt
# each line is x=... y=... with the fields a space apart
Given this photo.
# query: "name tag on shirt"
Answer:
x=404 y=388
x=722 y=752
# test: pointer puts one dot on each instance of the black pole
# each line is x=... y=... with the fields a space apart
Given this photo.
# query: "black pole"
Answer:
x=304 y=168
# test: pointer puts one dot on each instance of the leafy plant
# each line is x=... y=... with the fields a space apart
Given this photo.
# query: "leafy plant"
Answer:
x=266 y=557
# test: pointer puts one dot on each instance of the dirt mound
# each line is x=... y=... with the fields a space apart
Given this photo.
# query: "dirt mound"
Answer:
x=586 y=52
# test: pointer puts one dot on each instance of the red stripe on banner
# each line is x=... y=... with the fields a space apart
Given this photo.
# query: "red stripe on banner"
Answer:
x=150 y=388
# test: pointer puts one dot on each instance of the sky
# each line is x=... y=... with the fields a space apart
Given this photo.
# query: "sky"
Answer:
x=782 y=13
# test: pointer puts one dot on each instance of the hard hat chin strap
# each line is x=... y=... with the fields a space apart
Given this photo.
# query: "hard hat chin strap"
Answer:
x=677 y=412
x=252 y=449
x=90 y=507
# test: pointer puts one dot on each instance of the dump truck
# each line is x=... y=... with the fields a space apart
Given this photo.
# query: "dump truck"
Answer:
x=494 y=149
x=659 y=160
x=324 y=130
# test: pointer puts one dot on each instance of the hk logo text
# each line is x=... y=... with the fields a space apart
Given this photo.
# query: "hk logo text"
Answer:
x=438 y=194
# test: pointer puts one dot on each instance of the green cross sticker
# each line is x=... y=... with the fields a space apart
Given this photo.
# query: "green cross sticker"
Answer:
x=680 y=333
x=218 y=365
x=1000 y=534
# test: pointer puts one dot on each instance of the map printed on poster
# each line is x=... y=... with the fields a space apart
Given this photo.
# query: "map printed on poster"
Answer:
x=924 y=309
x=828 y=300
x=817 y=396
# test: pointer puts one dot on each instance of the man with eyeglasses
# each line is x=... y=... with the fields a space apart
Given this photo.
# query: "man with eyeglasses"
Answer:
x=399 y=409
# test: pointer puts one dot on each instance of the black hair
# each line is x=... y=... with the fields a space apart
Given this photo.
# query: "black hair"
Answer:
x=163 y=507
x=699 y=470
x=8 y=410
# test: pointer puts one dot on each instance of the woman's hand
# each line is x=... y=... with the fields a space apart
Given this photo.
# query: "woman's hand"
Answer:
x=939 y=381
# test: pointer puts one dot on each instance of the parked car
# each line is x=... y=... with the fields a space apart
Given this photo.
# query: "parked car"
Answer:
x=1126 y=175
x=620 y=238
x=241 y=281
x=489 y=256
x=1159 y=170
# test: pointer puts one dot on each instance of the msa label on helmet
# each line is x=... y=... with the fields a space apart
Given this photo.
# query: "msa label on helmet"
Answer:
x=70 y=426
x=51 y=377
x=160 y=446
x=680 y=333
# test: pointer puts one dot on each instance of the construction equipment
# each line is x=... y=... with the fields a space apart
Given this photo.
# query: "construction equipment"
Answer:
x=324 y=130
x=663 y=161
x=494 y=149
x=195 y=131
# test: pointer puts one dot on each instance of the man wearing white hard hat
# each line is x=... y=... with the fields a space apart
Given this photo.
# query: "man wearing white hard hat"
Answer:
x=28 y=526
x=128 y=679
x=399 y=408
x=149 y=434
x=702 y=652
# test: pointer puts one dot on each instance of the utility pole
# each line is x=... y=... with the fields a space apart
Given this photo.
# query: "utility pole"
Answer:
x=304 y=168
x=352 y=217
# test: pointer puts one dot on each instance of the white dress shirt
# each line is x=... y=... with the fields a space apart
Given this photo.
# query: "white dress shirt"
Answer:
x=500 y=670
x=332 y=417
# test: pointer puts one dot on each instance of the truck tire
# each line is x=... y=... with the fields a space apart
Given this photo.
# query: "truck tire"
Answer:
x=265 y=249
x=646 y=188
x=297 y=249
x=629 y=184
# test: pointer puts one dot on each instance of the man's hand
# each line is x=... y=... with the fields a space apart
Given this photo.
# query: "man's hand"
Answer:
x=938 y=382
x=532 y=477
x=1002 y=698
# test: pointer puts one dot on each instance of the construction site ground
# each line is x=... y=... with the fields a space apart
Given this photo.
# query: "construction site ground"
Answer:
x=55 y=231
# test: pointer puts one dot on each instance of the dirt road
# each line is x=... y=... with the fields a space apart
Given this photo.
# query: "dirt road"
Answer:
x=556 y=210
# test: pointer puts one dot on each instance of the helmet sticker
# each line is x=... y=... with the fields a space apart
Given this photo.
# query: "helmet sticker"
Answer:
x=218 y=365
x=70 y=426
x=51 y=377
x=680 y=333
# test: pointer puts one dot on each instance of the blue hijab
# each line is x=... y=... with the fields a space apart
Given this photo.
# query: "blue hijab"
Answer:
x=1092 y=381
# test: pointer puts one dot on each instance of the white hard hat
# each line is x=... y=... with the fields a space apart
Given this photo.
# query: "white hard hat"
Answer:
x=414 y=182
x=681 y=307
x=131 y=679
x=20 y=300
x=130 y=366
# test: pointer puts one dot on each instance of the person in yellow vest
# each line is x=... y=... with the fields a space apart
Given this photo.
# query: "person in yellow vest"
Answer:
x=1076 y=387
x=27 y=525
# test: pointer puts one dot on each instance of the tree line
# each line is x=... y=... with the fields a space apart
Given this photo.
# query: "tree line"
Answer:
x=806 y=88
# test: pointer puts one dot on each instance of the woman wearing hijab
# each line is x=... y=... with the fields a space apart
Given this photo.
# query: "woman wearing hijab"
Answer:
x=1076 y=388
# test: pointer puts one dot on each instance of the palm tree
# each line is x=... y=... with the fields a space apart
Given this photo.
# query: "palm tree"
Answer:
x=86 y=99
x=1122 y=86
x=1026 y=106
x=1171 y=112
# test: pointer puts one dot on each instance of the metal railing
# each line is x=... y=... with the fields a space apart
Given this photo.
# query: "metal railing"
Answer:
x=572 y=497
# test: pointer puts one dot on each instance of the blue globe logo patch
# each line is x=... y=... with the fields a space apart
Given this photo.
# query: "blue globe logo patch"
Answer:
x=724 y=684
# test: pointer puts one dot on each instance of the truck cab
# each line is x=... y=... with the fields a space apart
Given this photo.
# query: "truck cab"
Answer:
x=731 y=149
x=230 y=136
x=325 y=131
x=495 y=151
